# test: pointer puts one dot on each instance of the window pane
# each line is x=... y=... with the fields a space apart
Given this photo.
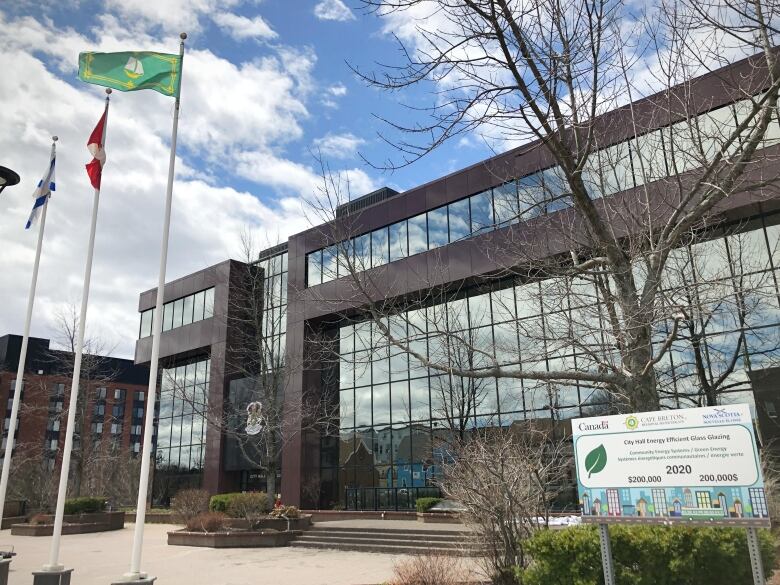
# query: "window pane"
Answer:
x=363 y=252
x=208 y=304
x=437 y=228
x=314 y=268
x=419 y=399
x=400 y=410
x=380 y=250
x=329 y=264
x=381 y=404
x=505 y=203
x=198 y=302
x=177 y=313
x=399 y=246
x=363 y=406
x=481 y=212
x=186 y=317
x=459 y=220
x=418 y=235
x=146 y=323
x=347 y=409
x=167 y=316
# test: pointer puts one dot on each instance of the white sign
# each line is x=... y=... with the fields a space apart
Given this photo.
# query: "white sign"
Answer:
x=698 y=463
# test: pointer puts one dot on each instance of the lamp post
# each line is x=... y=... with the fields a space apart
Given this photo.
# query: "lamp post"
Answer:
x=8 y=178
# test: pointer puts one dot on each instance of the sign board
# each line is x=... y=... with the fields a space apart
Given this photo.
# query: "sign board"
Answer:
x=697 y=465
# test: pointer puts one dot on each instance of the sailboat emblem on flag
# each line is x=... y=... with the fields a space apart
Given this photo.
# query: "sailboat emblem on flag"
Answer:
x=134 y=68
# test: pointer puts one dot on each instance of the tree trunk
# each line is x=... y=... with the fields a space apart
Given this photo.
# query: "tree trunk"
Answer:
x=270 y=481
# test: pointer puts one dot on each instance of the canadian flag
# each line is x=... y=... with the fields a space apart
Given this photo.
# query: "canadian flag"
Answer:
x=95 y=146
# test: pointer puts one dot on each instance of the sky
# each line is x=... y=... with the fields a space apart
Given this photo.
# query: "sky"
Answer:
x=266 y=85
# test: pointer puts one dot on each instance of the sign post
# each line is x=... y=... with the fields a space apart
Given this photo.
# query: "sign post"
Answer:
x=696 y=466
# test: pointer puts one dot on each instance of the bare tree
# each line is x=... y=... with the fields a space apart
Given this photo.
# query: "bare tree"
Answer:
x=507 y=480
x=31 y=479
x=253 y=421
x=629 y=181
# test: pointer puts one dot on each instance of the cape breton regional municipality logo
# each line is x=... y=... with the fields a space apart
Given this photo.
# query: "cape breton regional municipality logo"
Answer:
x=632 y=423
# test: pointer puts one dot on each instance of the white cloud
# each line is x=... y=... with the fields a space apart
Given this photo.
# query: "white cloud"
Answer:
x=333 y=10
x=244 y=130
x=338 y=90
x=339 y=145
x=173 y=16
x=241 y=28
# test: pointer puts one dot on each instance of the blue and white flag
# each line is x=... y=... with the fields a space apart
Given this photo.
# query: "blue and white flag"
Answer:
x=43 y=191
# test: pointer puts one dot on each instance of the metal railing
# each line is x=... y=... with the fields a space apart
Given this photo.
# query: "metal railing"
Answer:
x=395 y=498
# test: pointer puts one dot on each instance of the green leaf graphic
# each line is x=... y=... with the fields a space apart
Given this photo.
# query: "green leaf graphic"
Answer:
x=596 y=460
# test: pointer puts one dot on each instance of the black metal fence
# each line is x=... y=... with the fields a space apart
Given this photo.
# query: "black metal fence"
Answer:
x=377 y=498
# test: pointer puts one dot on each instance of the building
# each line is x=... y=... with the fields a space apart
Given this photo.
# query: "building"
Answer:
x=446 y=245
x=111 y=417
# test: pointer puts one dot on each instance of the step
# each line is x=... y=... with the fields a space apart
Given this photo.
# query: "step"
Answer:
x=413 y=531
x=382 y=541
x=383 y=548
x=363 y=535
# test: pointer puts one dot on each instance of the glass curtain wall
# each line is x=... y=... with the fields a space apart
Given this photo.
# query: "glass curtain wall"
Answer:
x=395 y=413
x=181 y=312
x=181 y=429
x=649 y=157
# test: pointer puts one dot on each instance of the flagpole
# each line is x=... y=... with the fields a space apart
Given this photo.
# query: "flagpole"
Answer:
x=19 y=383
x=53 y=565
x=143 y=484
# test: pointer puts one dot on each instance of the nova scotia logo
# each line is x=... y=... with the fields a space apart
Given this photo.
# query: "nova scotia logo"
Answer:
x=720 y=416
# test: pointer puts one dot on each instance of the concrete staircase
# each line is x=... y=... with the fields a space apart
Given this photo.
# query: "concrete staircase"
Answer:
x=395 y=540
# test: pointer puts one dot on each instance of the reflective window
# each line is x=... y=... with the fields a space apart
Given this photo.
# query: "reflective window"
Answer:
x=460 y=220
x=481 y=212
x=399 y=244
x=418 y=234
x=380 y=247
x=437 y=228
x=183 y=311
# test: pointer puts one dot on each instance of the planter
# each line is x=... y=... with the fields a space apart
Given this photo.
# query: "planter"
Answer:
x=439 y=517
x=153 y=517
x=74 y=524
x=238 y=539
x=9 y=521
x=279 y=524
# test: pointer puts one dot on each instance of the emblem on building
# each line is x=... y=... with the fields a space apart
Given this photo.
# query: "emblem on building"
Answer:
x=255 y=421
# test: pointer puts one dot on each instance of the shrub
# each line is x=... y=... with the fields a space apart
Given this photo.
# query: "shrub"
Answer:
x=206 y=522
x=190 y=503
x=85 y=505
x=645 y=555
x=219 y=503
x=249 y=506
x=429 y=570
x=286 y=511
x=39 y=518
x=425 y=504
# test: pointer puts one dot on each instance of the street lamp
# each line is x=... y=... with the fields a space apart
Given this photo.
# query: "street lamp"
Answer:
x=7 y=178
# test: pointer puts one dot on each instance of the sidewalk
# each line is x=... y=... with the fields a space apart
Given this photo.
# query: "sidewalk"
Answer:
x=100 y=558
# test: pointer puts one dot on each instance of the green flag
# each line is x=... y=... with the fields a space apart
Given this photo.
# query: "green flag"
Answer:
x=132 y=70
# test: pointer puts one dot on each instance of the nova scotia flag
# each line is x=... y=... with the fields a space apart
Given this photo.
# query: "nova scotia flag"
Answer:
x=43 y=191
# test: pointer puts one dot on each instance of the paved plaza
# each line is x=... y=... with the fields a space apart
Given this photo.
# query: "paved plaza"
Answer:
x=100 y=558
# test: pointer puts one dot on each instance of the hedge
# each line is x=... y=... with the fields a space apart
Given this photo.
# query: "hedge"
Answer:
x=85 y=505
x=645 y=555
x=223 y=502
x=425 y=504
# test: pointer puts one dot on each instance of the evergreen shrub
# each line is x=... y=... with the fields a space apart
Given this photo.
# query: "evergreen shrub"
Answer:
x=645 y=555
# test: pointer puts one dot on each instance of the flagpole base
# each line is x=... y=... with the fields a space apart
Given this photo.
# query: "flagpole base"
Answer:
x=52 y=575
x=135 y=579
